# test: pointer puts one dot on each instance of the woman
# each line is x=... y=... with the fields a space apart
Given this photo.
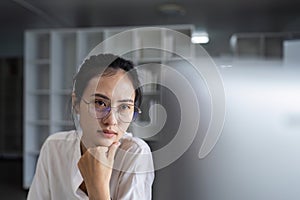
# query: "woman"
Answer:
x=99 y=160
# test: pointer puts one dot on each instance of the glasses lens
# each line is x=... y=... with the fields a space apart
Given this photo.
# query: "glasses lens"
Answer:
x=128 y=113
x=102 y=112
x=99 y=108
x=125 y=112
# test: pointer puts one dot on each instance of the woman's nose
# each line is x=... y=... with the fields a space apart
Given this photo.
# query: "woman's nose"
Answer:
x=111 y=118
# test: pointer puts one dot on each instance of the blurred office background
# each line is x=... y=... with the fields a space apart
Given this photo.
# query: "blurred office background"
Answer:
x=255 y=45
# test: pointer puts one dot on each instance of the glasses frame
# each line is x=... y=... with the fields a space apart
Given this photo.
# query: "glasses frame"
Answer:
x=136 y=111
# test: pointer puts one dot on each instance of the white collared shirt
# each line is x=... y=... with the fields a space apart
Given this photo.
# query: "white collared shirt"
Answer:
x=57 y=176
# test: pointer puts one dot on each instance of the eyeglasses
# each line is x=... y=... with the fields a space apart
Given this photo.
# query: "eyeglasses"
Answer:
x=100 y=108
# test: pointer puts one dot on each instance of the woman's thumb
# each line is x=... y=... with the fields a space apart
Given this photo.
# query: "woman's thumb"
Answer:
x=112 y=150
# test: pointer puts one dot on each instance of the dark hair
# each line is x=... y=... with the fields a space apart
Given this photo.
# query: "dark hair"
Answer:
x=105 y=64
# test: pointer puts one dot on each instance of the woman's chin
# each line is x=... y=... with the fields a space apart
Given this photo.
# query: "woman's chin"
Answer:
x=105 y=143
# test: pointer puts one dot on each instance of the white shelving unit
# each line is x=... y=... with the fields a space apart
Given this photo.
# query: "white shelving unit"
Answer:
x=51 y=61
x=261 y=44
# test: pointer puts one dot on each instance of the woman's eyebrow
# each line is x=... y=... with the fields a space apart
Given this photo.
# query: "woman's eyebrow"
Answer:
x=125 y=100
x=105 y=97
x=100 y=95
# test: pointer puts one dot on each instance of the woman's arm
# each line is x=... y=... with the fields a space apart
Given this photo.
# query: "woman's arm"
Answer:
x=95 y=166
x=136 y=172
x=39 y=188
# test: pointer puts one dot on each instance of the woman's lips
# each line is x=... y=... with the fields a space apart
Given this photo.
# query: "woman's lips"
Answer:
x=107 y=133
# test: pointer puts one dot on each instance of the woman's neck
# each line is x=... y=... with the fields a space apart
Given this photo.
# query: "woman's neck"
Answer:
x=82 y=148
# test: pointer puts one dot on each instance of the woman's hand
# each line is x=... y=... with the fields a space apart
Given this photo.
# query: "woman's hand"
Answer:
x=95 y=166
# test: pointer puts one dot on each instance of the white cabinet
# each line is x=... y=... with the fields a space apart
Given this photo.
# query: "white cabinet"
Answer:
x=291 y=57
x=52 y=58
x=36 y=94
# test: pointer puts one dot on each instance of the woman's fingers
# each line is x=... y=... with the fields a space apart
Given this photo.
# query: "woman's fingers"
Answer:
x=95 y=166
x=104 y=155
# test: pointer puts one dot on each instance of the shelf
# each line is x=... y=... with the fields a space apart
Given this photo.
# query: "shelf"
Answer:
x=120 y=44
x=41 y=62
x=67 y=92
x=29 y=165
x=61 y=107
x=39 y=122
x=64 y=56
x=32 y=152
x=37 y=45
x=64 y=123
x=39 y=92
x=87 y=40
x=149 y=41
x=37 y=76
x=39 y=133
x=62 y=92
x=261 y=45
x=36 y=107
x=52 y=58
x=180 y=44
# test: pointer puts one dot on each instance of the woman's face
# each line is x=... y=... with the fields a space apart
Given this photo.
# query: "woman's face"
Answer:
x=112 y=90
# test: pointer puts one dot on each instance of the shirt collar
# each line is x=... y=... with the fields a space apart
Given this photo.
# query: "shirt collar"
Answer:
x=76 y=178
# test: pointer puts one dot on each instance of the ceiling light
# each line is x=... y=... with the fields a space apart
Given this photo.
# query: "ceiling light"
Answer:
x=200 y=38
x=171 y=9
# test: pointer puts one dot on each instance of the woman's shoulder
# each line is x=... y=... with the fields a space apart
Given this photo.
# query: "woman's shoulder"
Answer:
x=61 y=138
x=63 y=135
x=134 y=144
x=134 y=155
x=61 y=144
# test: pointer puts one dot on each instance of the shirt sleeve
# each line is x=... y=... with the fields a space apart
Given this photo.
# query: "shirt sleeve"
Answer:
x=136 y=179
x=39 y=188
x=135 y=186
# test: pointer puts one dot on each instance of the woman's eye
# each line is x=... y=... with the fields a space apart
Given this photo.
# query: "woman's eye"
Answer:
x=125 y=107
x=99 y=103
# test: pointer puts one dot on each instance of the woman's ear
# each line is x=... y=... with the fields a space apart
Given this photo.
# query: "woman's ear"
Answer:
x=75 y=104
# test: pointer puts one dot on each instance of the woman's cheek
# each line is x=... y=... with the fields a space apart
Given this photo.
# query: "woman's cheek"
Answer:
x=123 y=128
x=89 y=125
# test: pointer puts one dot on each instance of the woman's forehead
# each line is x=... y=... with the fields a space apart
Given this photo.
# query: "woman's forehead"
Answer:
x=118 y=85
